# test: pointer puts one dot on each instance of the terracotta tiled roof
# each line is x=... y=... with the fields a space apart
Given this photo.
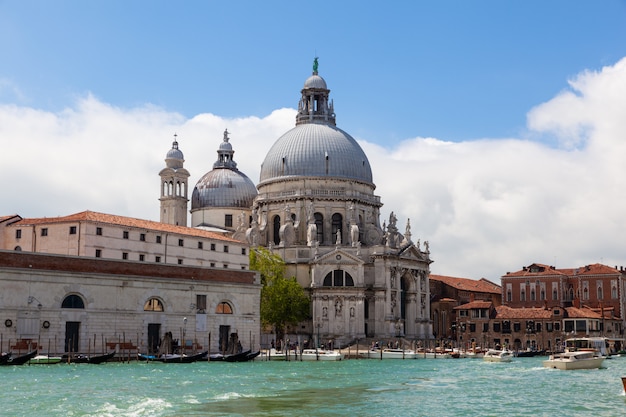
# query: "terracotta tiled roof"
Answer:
x=474 y=304
x=533 y=313
x=541 y=270
x=544 y=270
x=92 y=216
x=595 y=269
x=582 y=313
x=467 y=284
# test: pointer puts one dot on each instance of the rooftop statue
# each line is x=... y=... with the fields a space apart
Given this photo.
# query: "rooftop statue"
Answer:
x=315 y=66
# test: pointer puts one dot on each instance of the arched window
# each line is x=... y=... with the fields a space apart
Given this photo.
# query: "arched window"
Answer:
x=522 y=295
x=600 y=292
x=542 y=294
x=153 y=304
x=532 y=295
x=276 y=229
x=338 y=278
x=614 y=292
x=555 y=294
x=337 y=226
x=319 y=224
x=73 y=301
x=224 y=308
x=509 y=295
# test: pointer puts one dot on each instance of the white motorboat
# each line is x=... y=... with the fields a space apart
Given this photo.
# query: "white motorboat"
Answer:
x=277 y=355
x=493 y=355
x=321 y=355
x=389 y=353
x=574 y=360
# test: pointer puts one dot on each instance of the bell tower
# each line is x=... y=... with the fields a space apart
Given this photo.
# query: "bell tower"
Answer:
x=174 y=188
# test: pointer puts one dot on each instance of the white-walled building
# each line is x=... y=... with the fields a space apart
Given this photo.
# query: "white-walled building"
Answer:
x=69 y=279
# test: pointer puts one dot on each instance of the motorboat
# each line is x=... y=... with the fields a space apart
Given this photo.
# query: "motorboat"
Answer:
x=44 y=360
x=276 y=355
x=574 y=360
x=321 y=355
x=390 y=353
x=493 y=355
x=435 y=354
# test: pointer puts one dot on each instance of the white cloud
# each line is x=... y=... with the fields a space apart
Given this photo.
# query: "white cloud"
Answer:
x=486 y=207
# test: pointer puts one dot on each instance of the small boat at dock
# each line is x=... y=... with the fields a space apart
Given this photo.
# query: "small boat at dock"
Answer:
x=44 y=360
x=173 y=357
x=321 y=355
x=390 y=353
x=93 y=359
x=22 y=359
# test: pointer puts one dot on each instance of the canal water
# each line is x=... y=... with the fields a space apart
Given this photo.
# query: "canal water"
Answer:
x=421 y=387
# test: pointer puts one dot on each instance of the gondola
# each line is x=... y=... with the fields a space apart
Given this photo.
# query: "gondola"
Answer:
x=174 y=358
x=237 y=357
x=4 y=357
x=242 y=356
x=95 y=359
x=252 y=355
x=21 y=360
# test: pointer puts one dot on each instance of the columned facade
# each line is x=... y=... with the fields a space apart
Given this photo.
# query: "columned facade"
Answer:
x=317 y=209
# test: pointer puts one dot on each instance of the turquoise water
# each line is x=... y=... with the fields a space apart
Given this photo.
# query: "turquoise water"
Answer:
x=422 y=387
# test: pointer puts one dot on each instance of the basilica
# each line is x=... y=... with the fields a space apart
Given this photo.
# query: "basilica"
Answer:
x=315 y=206
x=68 y=278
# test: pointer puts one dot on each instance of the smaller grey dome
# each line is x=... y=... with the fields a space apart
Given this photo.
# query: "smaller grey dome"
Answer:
x=223 y=187
x=174 y=158
x=315 y=81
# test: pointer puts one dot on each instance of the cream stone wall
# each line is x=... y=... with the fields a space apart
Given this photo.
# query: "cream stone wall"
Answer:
x=114 y=308
x=111 y=244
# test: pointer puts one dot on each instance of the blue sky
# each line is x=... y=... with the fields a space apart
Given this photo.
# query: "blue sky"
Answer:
x=496 y=127
x=456 y=70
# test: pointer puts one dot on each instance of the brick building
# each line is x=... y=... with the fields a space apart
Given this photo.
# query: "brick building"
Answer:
x=449 y=292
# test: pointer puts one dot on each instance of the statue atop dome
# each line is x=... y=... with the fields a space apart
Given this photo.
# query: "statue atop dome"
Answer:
x=315 y=64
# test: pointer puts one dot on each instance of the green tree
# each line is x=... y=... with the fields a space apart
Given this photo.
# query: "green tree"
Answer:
x=283 y=301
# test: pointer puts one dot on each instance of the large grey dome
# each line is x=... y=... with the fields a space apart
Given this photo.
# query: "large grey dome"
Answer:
x=223 y=187
x=316 y=147
x=316 y=150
